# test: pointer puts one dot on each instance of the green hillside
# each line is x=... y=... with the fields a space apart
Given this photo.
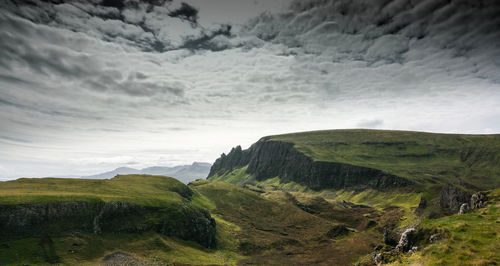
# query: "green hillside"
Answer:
x=151 y=219
x=468 y=239
x=141 y=189
x=469 y=163
x=426 y=157
x=273 y=229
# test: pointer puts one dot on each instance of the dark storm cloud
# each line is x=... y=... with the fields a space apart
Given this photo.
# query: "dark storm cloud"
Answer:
x=140 y=24
x=391 y=31
x=29 y=48
x=185 y=12
x=209 y=41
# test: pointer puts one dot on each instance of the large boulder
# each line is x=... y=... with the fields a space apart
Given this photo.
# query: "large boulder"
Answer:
x=406 y=241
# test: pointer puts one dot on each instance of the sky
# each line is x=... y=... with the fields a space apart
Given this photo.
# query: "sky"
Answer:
x=88 y=86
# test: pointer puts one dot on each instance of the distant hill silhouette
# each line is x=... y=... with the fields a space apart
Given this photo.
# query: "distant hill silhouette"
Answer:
x=184 y=173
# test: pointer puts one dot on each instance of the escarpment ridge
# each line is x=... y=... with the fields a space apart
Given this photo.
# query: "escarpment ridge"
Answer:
x=358 y=159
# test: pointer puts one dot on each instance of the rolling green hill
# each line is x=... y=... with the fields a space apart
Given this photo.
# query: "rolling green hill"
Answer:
x=365 y=159
x=425 y=157
x=140 y=189
x=80 y=221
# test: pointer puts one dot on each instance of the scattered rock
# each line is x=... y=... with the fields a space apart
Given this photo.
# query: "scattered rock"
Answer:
x=435 y=237
x=120 y=258
x=413 y=250
x=406 y=241
x=477 y=200
x=378 y=258
x=463 y=208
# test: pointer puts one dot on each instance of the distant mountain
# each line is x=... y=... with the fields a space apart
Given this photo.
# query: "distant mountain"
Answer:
x=184 y=173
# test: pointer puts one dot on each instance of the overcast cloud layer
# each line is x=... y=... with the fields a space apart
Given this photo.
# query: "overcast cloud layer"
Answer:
x=86 y=86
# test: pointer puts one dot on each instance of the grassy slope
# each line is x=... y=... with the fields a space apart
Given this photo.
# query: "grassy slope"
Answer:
x=469 y=239
x=272 y=231
x=140 y=189
x=89 y=249
x=236 y=177
x=427 y=157
x=85 y=248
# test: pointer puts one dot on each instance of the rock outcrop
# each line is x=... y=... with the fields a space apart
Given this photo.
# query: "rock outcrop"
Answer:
x=406 y=241
x=457 y=200
x=451 y=198
x=183 y=221
x=268 y=158
x=477 y=200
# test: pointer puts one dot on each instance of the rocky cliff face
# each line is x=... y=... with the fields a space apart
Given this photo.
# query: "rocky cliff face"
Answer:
x=185 y=222
x=455 y=199
x=269 y=158
x=451 y=197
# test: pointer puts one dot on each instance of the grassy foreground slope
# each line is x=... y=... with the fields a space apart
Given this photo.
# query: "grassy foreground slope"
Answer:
x=79 y=246
x=469 y=239
x=425 y=157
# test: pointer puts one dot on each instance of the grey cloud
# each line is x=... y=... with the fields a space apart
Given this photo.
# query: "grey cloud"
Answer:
x=14 y=139
x=139 y=24
x=391 y=31
x=47 y=59
x=210 y=41
x=186 y=12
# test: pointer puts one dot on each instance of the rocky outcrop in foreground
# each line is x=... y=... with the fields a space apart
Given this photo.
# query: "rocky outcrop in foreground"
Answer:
x=456 y=200
x=183 y=221
x=268 y=158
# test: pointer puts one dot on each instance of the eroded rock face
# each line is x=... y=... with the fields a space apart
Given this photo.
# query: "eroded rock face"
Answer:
x=458 y=200
x=406 y=241
x=477 y=200
x=185 y=222
x=452 y=198
x=269 y=158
